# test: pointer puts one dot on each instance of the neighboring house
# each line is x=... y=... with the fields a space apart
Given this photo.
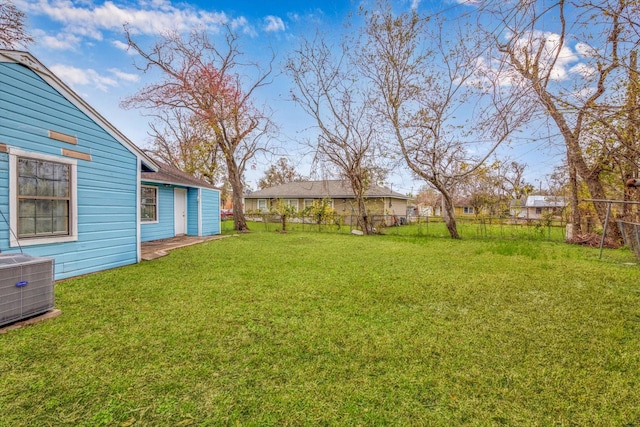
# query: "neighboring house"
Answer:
x=536 y=207
x=71 y=184
x=303 y=194
x=461 y=207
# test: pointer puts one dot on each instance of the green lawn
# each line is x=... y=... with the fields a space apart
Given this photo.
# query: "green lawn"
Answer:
x=468 y=228
x=333 y=329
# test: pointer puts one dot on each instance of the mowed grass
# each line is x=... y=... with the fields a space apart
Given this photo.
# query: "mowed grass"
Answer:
x=468 y=228
x=326 y=329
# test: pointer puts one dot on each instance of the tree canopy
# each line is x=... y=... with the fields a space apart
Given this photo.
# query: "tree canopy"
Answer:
x=13 y=33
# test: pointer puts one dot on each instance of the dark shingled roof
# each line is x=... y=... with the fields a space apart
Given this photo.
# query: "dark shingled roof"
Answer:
x=171 y=175
x=335 y=189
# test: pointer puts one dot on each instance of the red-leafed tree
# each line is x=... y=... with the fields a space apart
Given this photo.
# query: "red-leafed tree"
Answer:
x=185 y=142
x=12 y=26
x=209 y=81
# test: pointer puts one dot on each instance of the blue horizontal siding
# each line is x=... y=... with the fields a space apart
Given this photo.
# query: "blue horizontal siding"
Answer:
x=4 y=202
x=205 y=202
x=192 y=212
x=164 y=228
x=106 y=185
x=210 y=212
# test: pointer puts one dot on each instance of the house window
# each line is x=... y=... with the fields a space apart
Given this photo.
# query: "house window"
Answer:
x=149 y=204
x=291 y=202
x=262 y=205
x=538 y=211
x=44 y=198
x=468 y=209
x=308 y=203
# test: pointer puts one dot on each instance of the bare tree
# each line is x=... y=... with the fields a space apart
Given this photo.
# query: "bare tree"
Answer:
x=423 y=80
x=186 y=143
x=427 y=198
x=329 y=90
x=510 y=179
x=599 y=35
x=12 y=26
x=217 y=89
x=279 y=173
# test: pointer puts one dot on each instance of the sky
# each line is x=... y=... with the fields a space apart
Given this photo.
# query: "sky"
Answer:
x=83 y=43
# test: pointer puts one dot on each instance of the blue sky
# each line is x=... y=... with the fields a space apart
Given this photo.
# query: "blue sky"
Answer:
x=82 y=42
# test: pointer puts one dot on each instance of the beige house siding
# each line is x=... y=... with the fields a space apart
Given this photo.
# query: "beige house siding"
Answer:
x=397 y=207
x=538 y=213
x=375 y=206
x=379 y=200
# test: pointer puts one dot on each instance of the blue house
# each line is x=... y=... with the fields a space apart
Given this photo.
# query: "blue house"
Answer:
x=74 y=188
x=174 y=203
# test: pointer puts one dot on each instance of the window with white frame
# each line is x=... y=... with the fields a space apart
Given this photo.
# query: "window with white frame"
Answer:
x=148 y=203
x=262 y=205
x=308 y=203
x=43 y=195
x=291 y=202
x=44 y=198
x=468 y=209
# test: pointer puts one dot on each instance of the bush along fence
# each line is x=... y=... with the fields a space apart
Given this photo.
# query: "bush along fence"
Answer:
x=483 y=227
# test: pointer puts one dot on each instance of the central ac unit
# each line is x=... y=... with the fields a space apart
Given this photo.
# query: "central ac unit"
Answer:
x=26 y=286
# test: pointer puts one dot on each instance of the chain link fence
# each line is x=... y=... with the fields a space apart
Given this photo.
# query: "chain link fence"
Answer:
x=425 y=226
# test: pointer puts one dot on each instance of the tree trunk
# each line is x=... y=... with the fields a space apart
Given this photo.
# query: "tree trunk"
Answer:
x=577 y=160
x=448 y=214
x=363 y=217
x=576 y=218
x=632 y=139
x=358 y=188
x=235 y=179
x=596 y=191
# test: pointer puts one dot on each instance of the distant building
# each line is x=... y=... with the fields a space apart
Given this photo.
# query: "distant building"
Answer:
x=303 y=194
x=536 y=207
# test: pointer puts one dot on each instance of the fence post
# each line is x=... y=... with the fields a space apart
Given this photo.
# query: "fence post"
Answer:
x=604 y=232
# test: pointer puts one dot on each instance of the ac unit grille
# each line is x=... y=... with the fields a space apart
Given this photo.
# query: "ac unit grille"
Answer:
x=26 y=286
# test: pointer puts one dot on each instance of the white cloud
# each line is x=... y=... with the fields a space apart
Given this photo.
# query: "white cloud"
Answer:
x=61 y=41
x=584 y=49
x=241 y=24
x=488 y=73
x=273 y=23
x=586 y=71
x=124 y=76
x=150 y=17
x=80 y=77
x=120 y=45
x=567 y=64
x=547 y=45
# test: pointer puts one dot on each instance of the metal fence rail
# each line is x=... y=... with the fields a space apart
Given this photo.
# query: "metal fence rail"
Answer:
x=631 y=235
x=424 y=226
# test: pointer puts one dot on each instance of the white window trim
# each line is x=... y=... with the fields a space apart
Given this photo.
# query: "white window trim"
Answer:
x=14 y=241
x=266 y=205
x=308 y=203
x=292 y=202
x=157 y=220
